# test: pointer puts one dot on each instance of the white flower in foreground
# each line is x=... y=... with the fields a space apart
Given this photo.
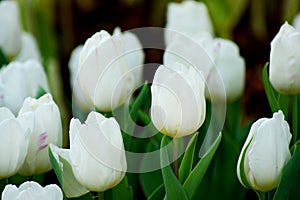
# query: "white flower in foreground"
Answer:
x=231 y=68
x=108 y=68
x=47 y=129
x=29 y=49
x=14 y=140
x=189 y=18
x=284 y=70
x=178 y=103
x=10 y=31
x=96 y=154
x=32 y=191
x=265 y=153
x=19 y=80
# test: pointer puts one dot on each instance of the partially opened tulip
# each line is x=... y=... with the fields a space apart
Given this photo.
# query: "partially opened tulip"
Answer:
x=10 y=31
x=265 y=153
x=107 y=74
x=96 y=154
x=29 y=48
x=178 y=105
x=31 y=190
x=19 y=80
x=47 y=129
x=189 y=18
x=285 y=60
x=14 y=140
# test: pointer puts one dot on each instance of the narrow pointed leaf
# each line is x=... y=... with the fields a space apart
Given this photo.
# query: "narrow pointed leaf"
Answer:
x=270 y=92
x=191 y=184
x=174 y=189
x=188 y=159
x=123 y=189
x=158 y=193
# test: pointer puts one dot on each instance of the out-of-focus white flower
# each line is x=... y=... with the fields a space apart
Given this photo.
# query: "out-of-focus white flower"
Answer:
x=10 y=31
x=178 y=102
x=265 y=153
x=284 y=70
x=31 y=190
x=19 y=80
x=231 y=68
x=108 y=68
x=189 y=18
x=47 y=129
x=14 y=140
x=296 y=21
x=96 y=152
x=29 y=49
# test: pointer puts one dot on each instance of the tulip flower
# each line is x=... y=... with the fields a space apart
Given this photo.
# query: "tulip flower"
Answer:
x=231 y=68
x=47 y=129
x=265 y=153
x=10 y=31
x=284 y=67
x=29 y=48
x=19 y=80
x=178 y=105
x=189 y=18
x=14 y=140
x=31 y=190
x=107 y=72
x=96 y=153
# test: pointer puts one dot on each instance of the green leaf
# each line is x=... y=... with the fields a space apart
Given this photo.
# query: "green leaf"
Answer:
x=40 y=92
x=191 y=184
x=3 y=59
x=123 y=189
x=158 y=193
x=186 y=165
x=63 y=170
x=174 y=189
x=139 y=102
x=290 y=176
x=270 y=92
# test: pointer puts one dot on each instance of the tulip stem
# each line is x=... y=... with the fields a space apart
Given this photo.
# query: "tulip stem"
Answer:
x=295 y=117
x=100 y=195
x=175 y=157
x=261 y=195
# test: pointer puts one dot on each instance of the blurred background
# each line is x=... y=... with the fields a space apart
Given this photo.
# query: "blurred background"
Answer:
x=60 y=26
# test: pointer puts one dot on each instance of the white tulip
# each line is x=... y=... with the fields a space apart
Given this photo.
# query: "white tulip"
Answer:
x=285 y=60
x=265 y=153
x=97 y=152
x=29 y=49
x=231 y=68
x=10 y=31
x=32 y=191
x=14 y=140
x=19 y=80
x=178 y=103
x=47 y=129
x=296 y=21
x=189 y=18
x=107 y=74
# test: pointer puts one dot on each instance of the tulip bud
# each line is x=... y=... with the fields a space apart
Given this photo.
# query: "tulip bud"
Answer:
x=285 y=61
x=29 y=49
x=97 y=152
x=31 y=190
x=231 y=68
x=19 y=80
x=106 y=72
x=265 y=153
x=178 y=104
x=47 y=129
x=10 y=32
x=14 y=139
x=189 y=18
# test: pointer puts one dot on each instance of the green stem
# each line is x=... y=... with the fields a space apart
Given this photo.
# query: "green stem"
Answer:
x=100 y=195
x=175 y=156
x=295 y=118
x=261 y=195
